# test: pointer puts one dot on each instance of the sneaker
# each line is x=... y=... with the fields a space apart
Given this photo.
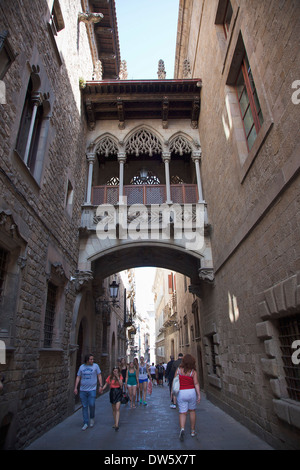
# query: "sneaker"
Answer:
x=145 y=403
x=84 y=427
x=193 y=433
x=92 y=422
x=181 y=435
x=173 y=406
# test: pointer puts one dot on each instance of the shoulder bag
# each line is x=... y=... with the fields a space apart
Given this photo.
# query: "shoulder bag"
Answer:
x=175 y=385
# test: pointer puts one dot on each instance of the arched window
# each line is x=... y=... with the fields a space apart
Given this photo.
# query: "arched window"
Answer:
x=107 y=147
x=180 y=145
x=150 y=178
x=143 y=142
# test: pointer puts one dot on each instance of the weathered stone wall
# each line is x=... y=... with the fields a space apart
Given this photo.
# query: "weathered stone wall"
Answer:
x=37 y=381
x=253 y=204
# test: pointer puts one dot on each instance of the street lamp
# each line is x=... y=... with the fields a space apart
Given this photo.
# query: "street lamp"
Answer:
x=143 y=174
x=113 y=291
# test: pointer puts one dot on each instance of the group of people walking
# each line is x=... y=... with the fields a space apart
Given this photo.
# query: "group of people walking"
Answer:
x=134 y=379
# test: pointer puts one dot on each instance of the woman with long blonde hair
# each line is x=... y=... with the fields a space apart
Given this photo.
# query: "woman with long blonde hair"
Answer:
x=189 y=393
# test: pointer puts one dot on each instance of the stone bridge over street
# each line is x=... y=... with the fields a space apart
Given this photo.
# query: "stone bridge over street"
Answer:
x=173 y=236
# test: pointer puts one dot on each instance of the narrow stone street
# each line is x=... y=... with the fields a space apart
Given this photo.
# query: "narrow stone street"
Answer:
x=153 y=427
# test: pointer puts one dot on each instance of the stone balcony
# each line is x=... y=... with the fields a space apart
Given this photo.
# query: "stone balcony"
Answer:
x=145 y=194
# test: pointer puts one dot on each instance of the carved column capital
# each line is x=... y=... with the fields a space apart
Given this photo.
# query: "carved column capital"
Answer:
x=91 y=156
x=121 y=157
x=166 y=156
x=196 y=155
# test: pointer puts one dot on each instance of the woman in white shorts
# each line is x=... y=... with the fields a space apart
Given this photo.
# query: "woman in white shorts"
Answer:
x=189 y=393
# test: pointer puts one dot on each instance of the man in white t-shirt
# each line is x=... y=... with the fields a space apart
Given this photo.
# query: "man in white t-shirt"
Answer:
x=153 y=372
x=88 y=374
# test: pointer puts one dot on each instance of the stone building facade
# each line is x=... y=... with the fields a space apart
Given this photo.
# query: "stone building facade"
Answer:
x=177 y=319
x=250 y=171
x=49 y=314
x=59 y=71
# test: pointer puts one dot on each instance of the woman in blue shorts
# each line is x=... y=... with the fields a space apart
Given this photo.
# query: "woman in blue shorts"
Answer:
x=143 y=380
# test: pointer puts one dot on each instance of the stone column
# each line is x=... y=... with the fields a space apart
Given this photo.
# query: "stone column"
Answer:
x=91 y=159
x=166 y=156
x=121 y=160
x=36 y=99
x=196 y=156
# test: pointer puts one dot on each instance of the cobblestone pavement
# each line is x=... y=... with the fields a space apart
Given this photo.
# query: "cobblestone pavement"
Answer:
x=151 y=427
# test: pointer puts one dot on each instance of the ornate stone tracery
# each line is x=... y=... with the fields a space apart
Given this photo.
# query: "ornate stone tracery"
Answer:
x=141 y=142
x=107 y=146
x=144 y=141
x=180 y=145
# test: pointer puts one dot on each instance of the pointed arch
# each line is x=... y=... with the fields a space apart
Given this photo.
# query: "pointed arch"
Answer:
x=107 y=144
x=143 y=140
x=180 y=143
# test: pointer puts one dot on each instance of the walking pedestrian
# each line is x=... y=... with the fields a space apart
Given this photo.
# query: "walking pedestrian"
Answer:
x=88 y=374
x=171 y=376
x=168 y=370
x=189 y=393
x=123 y=368
x=152 y=372
x=143 y=380
x=115 y=382
x=132 y=380
x=136 y=365
x=160 y=374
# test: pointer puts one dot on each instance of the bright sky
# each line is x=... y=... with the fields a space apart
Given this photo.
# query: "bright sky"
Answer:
x=147 y=33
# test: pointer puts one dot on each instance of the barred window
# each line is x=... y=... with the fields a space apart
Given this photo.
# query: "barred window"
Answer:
x=289 y=331
x=3 y=269
x=195 y=311
x=213 y=354
x=50 y=314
